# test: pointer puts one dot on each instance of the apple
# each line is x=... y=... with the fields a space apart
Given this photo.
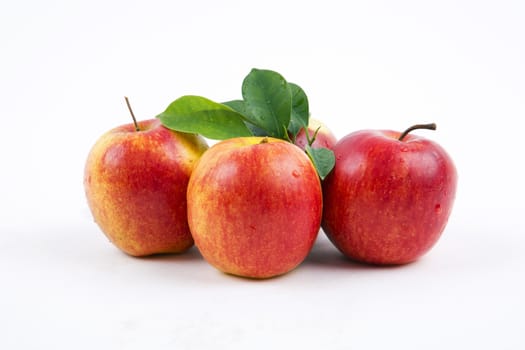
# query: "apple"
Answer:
x=254 y=206
x=135 y=181
x=389 y=197
x=324 y=138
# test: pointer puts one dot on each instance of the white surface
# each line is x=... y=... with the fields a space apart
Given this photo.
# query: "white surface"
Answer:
x=65 y=67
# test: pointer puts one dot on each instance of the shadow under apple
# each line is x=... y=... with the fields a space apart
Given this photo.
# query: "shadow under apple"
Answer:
x=190 y=255
x=325 y=255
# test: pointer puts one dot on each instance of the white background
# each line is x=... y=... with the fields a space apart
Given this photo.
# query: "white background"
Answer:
x=64 y=69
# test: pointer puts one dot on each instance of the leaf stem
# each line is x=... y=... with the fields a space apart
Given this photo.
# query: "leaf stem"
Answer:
x=431 y=126
x=310 y=142
x=132 y=114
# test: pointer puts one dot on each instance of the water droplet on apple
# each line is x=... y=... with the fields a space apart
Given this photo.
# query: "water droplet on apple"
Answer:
x=437 y=208
x=295 y=173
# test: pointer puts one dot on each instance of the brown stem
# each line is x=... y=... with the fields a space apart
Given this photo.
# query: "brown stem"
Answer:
x=132 y=114
x=431 y=126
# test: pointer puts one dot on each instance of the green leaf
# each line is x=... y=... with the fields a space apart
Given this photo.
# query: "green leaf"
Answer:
x=199 y=115
x=300 y=112
x=240 y=106
x=323 y=160
x=237 y=105
x=268 y=101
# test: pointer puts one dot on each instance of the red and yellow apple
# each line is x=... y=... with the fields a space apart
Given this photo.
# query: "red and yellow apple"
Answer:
x=389 y=197
x=135 y=183
x=254 y=206
x=324 y=138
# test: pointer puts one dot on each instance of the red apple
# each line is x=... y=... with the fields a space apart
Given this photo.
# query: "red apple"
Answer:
x=254 y=206
x=389 y=197
x=324 y=138
x=135 y=184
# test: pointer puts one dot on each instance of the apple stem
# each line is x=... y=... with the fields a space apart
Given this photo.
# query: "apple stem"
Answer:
x=431 y=126
x=132 y=114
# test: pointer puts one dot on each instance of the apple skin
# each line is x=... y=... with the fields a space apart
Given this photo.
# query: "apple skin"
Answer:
x=387 y=202
x=325 y=138
x=135 y=183
x=254 y=206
